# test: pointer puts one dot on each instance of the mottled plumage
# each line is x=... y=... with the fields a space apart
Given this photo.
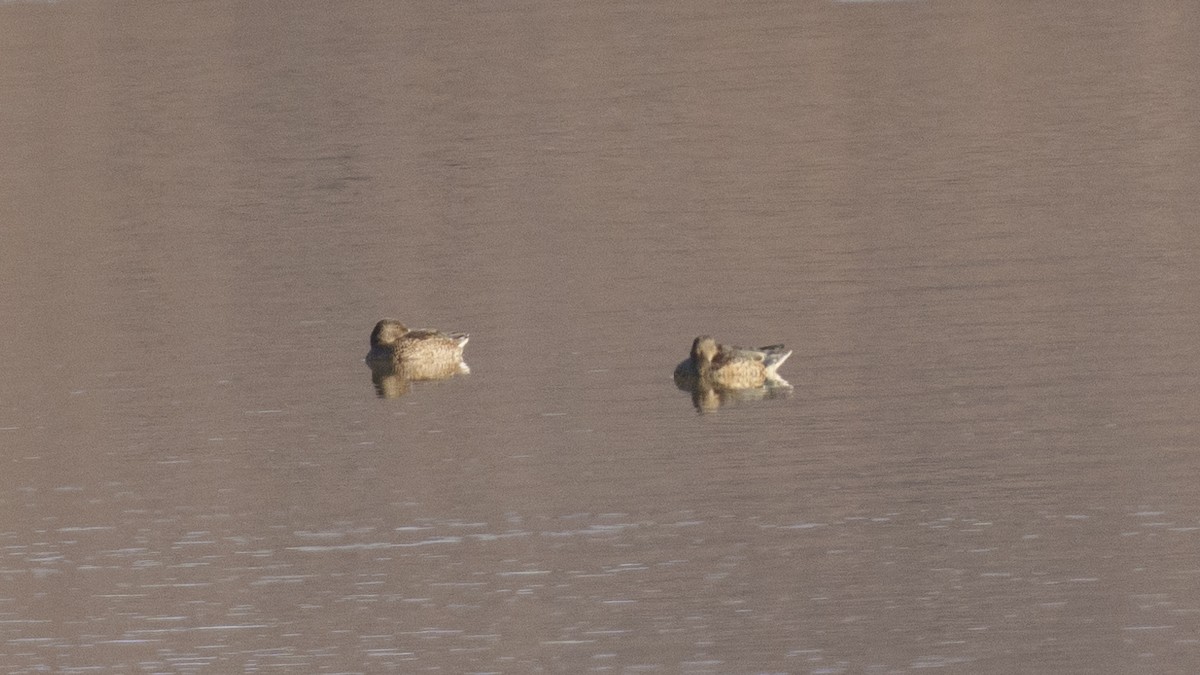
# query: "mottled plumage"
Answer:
x=416 y=354
x=717 y=366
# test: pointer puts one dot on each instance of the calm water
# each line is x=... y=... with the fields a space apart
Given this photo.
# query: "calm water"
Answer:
x=975 y=224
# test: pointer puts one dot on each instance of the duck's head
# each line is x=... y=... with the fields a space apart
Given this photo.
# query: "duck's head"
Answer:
x=387 y=332
x=704 y=348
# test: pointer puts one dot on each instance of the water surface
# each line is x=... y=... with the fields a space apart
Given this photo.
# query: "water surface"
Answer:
x=973 y=225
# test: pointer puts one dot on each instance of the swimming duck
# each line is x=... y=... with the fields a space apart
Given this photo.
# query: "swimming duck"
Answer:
x=416 y=354
x=713 y=365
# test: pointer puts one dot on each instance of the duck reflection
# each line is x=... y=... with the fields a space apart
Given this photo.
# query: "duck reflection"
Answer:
x=400 y=356
x=717 y=374
x=708 y=399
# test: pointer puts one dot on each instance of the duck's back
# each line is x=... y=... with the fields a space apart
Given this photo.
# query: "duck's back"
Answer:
x=430 y=346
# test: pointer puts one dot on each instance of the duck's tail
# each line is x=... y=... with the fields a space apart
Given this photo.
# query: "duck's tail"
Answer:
x=773 y=357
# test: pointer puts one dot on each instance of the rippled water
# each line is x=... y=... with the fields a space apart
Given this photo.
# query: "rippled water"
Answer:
x=973 y=226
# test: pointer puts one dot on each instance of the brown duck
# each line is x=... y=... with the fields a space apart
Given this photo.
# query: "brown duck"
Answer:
x=416 y=354
x=716 y=366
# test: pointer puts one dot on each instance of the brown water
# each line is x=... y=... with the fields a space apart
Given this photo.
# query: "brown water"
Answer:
x=975 y=224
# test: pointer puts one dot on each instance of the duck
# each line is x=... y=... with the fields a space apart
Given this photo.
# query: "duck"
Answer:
x=712 y=365
x=421 y=354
